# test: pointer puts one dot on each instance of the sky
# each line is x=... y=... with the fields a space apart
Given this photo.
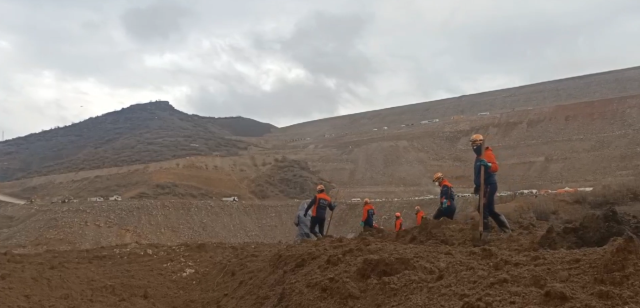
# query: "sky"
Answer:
x=291 y=61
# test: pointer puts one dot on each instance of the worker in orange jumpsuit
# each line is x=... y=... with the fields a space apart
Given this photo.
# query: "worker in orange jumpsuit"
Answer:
x=447 y=206
x=368 y=212
x=398 y=222
x=419 y=215
x=318 y=206
x=487 y=160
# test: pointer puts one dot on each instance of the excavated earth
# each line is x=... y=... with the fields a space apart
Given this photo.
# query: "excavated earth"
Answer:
x=432 y=265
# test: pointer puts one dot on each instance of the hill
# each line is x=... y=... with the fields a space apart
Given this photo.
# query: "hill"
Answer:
x=603 y=85
x=141 y=133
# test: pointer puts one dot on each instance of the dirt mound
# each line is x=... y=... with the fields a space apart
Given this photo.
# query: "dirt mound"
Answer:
x=334 y=272
x=287 y=178
x=595 y=230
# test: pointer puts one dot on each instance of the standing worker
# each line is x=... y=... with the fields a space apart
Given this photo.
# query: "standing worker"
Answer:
x=487 y=160
x=318 y=206
x=447 y=206
x=398 y=222
x=419 y=215
x=302 y=223
x=367 y=214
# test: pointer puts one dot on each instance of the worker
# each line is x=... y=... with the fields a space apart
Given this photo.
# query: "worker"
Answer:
x=447 y=204
x=419 y=215
x=486 y=159
x=368 y=212
x=302 y=223
x=398 y=222
x=318 y=206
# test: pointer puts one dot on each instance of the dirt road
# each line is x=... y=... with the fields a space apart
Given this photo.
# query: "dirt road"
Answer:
x=11 y=199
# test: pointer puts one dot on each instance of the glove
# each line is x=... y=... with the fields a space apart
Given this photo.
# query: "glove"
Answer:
x=483 y=162
x=297 y=224
x=305 y=215
x=476 y=190
x=334 y=207
x=362 y=224
x=445 y=203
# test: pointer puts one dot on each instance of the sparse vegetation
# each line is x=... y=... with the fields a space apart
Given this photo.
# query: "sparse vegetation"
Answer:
x=142 y=133
x=287 y=178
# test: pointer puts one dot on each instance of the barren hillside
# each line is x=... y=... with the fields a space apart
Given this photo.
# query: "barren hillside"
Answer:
x=138 y=134
x=564 y=91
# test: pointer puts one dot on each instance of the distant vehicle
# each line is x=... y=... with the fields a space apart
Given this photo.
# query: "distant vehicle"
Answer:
x=385 y=127
x=375 y=129
x=483 y=113
x=403 y=125
x=231 y=199
x=355 y=200
x=115 y=198
x=98 y=199
x=430 y=121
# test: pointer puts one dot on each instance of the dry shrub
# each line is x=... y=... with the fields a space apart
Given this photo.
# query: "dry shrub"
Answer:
x=608 y=195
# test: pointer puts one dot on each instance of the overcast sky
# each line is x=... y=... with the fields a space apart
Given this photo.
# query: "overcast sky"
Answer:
x=290 y=61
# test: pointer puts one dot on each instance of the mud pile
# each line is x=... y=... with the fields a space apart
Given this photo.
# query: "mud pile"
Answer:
x=595 y=230
x=433 y=265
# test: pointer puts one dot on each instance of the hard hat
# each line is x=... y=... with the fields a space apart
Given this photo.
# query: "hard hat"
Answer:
x=476 y=139
x=367 y=201
x=320 y=187
x=397 y=214
x=417 y=208
x=438 y=177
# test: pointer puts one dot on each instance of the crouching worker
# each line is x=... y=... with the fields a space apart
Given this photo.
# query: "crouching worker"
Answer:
x=419 y=215
x=318 y=206
x=447 y=206
x=367 y=215
x=302 y=223
x=398 y=222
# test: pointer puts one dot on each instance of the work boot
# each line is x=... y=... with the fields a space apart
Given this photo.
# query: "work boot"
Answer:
x=503 y=224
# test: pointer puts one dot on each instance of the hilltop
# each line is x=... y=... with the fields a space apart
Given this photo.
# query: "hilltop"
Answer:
x=141 y=133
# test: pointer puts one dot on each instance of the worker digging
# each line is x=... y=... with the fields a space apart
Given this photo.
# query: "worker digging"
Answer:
x=368 y=212
x=318 y=206
x=486 y=163
x=447 y=206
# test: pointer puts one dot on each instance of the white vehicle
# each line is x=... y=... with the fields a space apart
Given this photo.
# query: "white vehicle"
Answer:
x=356 y=200
x=430 y=121
x=115 y=198
x=232 y=199
x=585 y=189
x=483 y=113
x=98 y=199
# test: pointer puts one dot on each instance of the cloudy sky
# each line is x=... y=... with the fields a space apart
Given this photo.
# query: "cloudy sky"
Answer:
x=289 y=61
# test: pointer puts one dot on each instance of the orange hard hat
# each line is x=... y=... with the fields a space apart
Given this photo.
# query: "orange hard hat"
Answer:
x=438 y=177
x=397 y=214
x=476 y=139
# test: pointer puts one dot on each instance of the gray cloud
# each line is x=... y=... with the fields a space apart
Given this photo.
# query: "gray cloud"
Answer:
x=285 y=61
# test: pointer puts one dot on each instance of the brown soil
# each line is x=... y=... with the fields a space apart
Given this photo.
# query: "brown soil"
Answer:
x=427 y=266
x=595 y=230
